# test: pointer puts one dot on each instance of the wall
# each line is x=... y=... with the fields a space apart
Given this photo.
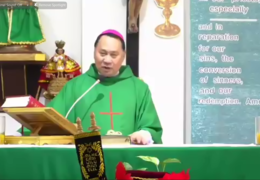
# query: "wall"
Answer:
x=62 y=24
x=98 y=16
x=58 y=24
x=162 y=67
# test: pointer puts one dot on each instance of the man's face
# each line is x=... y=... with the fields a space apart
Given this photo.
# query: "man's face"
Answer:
x=109 y=56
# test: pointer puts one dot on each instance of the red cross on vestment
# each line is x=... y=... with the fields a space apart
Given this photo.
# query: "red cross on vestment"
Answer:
x=111 y=113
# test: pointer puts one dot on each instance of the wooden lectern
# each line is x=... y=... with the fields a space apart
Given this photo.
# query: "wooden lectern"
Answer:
x=46 y=124
x=48 y=127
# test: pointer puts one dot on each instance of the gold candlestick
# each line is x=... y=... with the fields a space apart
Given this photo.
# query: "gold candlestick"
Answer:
x=167 y=30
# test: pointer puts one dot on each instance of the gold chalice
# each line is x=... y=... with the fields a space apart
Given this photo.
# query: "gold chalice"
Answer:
x=167 y=30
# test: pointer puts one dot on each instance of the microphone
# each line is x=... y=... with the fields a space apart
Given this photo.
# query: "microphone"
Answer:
x=100 y=79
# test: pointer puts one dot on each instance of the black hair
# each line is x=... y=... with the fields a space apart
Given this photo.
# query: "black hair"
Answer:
x=113 y=36
x=59 y=49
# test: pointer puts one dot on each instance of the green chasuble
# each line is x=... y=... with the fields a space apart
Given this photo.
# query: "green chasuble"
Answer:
x=122 y=103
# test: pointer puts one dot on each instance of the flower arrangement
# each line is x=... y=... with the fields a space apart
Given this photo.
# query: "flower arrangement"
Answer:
x=123 y=174
x=124 y=171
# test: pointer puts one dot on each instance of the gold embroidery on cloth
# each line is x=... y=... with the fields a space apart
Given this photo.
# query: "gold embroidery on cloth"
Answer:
x=83 y=135
x=93 y=151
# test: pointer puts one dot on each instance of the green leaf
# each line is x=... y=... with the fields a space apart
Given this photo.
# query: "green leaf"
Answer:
x=128 y=167
x=142 y=169
x=153 y=160
x=168 y=161
x=171 y=160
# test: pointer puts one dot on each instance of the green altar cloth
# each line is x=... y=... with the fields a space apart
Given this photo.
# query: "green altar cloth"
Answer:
x=37 y=163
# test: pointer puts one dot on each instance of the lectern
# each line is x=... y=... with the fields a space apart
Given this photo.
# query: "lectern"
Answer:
x=48 y=127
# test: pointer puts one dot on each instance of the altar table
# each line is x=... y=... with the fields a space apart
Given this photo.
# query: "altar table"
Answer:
x=60 y=162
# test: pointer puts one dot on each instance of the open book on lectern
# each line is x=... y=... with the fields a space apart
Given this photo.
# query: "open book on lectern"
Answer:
x=42 y=121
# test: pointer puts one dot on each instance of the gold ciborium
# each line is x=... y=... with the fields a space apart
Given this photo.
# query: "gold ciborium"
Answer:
x=167 y=30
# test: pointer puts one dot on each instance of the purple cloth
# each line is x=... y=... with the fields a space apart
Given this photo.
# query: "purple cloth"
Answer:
x=111 y=31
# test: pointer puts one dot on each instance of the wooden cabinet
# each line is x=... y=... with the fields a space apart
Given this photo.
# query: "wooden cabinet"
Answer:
x=19 y=78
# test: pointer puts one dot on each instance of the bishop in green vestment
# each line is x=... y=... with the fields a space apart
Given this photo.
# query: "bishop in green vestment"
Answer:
x=122 y=102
